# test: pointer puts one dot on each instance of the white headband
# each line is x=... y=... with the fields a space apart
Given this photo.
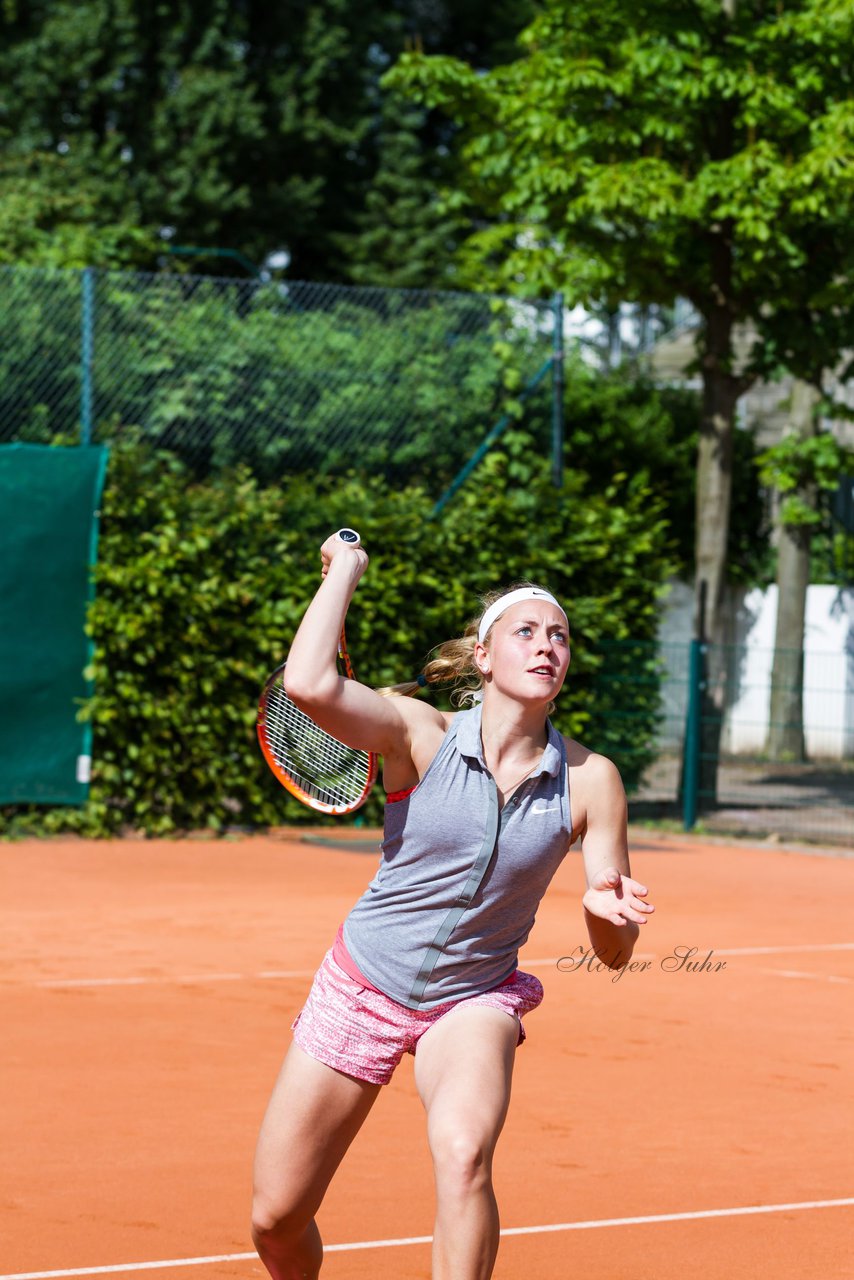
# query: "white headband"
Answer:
x=498 y=607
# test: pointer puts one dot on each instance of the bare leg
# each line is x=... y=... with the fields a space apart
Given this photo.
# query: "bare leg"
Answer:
x=313 y=1116
x=463 y=1070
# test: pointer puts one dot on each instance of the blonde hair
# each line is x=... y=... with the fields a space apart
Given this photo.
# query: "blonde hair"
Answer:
x=452 y=662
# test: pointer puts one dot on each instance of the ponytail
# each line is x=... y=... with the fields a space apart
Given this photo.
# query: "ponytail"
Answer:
x=451 y=662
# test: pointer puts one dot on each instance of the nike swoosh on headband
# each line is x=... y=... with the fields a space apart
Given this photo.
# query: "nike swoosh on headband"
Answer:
x=499 y=606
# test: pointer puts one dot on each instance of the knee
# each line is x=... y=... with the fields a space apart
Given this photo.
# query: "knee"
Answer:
x=462 y=1160
x=275 y=1220
x=265 y=1219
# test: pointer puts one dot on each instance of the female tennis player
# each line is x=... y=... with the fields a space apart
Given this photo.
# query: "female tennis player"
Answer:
x=482 y=806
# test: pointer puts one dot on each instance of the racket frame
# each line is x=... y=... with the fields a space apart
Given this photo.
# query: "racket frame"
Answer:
x=290 y=783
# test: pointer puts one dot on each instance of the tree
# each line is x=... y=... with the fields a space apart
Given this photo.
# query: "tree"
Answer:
x=620 y=423
x=646 y=151
x=136 y=106
x=56 y=212
x=226 y=124
x=403 y=238
x=804 y=464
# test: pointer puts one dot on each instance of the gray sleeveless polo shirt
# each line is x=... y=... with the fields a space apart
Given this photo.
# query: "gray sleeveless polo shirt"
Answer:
x=459 y=880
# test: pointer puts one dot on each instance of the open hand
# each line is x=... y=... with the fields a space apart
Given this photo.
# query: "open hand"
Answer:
x=617 y=898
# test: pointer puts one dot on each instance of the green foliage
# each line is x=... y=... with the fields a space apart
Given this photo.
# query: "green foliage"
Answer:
x=834 y=555
x=285 y=379
x=260 y=377
x=282 y=378
x=620 y=421
x=649 y=151
x=646 y=151
x=230 y=124
x=806 y=472
x=403 y=239
x=169 y=97
x=60 y=212
x=200 y=587
x=796 y=465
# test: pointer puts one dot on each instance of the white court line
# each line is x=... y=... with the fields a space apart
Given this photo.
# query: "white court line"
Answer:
x=277 y=974
x=784 y=951
x=174 y=979
x=409 y=1240
x=798 y=973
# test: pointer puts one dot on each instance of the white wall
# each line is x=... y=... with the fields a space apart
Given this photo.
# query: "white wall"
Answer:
x=828 y=670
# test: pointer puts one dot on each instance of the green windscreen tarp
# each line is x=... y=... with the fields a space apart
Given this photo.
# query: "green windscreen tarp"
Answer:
x=48 y=542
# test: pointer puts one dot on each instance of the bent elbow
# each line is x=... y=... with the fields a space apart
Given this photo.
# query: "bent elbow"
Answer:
x=296 y=686
x=304 y=691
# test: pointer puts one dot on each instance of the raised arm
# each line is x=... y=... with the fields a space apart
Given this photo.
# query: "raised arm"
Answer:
x=614 y=904
x=347 y=709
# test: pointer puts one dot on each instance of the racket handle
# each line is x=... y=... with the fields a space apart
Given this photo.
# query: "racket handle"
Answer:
x=350 y=536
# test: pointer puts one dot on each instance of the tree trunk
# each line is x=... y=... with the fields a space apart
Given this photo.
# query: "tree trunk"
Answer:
x=714 y=492
x=721 y=390
x=786 y=718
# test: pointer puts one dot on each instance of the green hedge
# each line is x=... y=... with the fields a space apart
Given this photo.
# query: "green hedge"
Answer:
x=201 y=586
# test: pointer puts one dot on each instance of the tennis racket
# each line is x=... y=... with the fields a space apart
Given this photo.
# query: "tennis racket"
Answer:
x=316 y=768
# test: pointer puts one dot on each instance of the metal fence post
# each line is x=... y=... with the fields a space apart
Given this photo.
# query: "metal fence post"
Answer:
x=87 y=348
x=557 y=392
x=691 y=770
x=483 y=449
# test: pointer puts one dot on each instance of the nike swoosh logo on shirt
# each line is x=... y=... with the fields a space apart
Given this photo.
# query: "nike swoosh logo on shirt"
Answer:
x=543 y=808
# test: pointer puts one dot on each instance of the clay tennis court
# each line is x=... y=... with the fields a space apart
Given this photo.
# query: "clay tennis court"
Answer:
x=673 y=1123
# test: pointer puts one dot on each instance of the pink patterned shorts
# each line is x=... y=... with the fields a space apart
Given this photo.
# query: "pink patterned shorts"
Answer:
x=363 y=1033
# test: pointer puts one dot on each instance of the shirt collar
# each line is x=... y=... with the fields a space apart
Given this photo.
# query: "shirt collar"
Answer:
x=469 y=744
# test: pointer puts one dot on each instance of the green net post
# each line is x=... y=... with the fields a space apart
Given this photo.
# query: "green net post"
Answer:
x=87 y=348
x=691 y=771
x=483 y=449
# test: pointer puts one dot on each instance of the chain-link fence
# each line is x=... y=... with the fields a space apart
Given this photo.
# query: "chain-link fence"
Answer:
x=731 y=785
x=279 y=376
